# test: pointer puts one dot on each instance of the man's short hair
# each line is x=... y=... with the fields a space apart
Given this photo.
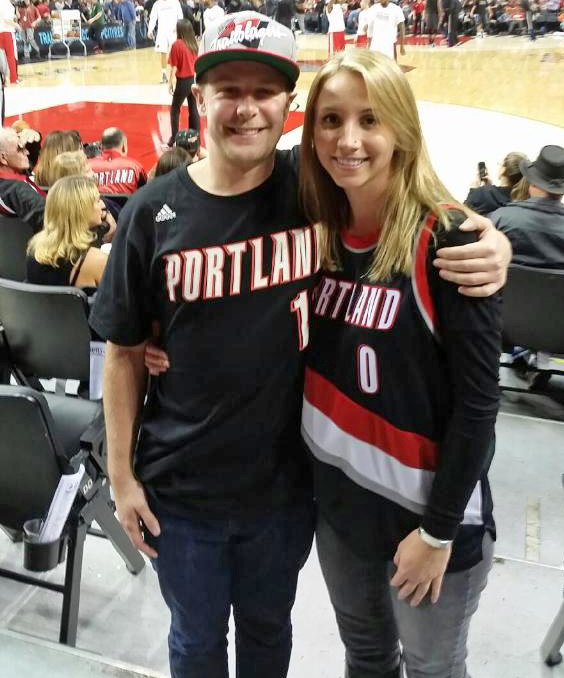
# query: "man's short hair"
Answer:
x=112 y=138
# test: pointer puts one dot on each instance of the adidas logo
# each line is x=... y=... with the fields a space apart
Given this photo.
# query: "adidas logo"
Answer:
x=165 y=214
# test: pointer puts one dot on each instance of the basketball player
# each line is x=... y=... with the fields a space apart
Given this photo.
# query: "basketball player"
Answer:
x=384 y=20
x=336 y=20
x=223 y=258
x=361 y=39
x=164 y=14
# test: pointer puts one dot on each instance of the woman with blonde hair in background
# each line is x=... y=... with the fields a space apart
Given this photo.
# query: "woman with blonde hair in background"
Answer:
x=55 y=143
x=487 y=197
x=64 y=252
x=401 y=393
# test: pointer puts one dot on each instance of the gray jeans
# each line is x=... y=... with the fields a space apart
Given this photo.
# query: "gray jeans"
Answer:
x=372 y=620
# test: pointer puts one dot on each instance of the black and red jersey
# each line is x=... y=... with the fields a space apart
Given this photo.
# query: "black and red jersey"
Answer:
x=20 y=197
x=400 y=402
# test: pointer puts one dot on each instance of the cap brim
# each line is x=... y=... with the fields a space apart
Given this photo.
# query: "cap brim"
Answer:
x=287 y=67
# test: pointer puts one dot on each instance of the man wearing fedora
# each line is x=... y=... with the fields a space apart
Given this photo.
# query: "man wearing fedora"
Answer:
x=535 y=226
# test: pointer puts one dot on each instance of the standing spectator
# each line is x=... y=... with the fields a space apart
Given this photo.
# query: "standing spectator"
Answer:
x=431 y=16
x=336 y=19
x=448 y=11
x=285 y=13
x=213 y=13
x=299 y=13
x=480 y=16
x=164 y=15
x=42 y=8
x=116 y=172
x=363 y=18
x=29 y=17
x=127 y=16
x=181 y=60
x=96 y=24
x=526 y=6
x=418 y=9
x=384 y=21
x=8 y=26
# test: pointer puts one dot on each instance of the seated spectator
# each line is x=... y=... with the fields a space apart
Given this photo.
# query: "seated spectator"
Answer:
x=535 y=226
x=114 y=171
x=64 y=252
x=488 y=197
x=19 y=196
x=169 y=160
x=55 y=143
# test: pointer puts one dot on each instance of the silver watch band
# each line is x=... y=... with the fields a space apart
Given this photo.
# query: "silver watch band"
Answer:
x=433 y=541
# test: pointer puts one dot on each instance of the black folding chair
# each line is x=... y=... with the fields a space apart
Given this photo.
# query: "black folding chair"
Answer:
x=43 y=434
x=14 y=236
x=533 y=315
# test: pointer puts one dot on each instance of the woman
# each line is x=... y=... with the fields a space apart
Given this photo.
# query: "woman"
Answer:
x=170 y=160
x=181 y=60
x=63 y=253
x=55 y=143
x=512 y=186
x=401 y=394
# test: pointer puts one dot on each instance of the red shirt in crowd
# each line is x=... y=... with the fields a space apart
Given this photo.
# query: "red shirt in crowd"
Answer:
x=28 y=15
x=116 y=173
x=418 y=6
x=43 y=8
x=184 y=60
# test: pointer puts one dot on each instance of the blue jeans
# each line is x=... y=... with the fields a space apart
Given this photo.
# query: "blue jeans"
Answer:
x=207 y=566
x=129 y=30
x=371 y=619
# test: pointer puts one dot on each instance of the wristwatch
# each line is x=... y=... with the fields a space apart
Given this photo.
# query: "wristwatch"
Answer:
x=433 y=541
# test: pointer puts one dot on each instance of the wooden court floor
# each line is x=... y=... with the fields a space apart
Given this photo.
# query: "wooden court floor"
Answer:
x=508 y=75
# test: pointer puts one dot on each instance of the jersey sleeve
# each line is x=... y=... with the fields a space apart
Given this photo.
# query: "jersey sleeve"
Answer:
x=122 y=310
x=470 y=333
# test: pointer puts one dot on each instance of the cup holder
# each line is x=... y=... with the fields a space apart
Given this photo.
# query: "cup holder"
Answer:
x=41 y=557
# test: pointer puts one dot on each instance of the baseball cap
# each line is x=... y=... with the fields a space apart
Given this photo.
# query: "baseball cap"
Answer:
x=249 y=36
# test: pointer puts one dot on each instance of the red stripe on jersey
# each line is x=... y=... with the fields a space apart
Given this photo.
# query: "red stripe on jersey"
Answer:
x=420 y=270
x=411 y=449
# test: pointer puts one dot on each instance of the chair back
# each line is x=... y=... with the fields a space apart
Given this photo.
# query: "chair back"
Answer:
x=29 y=461
x=533 y=308
x=46 y=329
x=119 y=198
x=14 y=236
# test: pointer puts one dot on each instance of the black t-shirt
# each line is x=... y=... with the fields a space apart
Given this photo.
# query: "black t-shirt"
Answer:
x=228 y=280
x=487 y=198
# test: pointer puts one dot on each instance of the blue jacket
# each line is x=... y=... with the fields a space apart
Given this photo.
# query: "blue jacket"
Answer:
x=126 y=11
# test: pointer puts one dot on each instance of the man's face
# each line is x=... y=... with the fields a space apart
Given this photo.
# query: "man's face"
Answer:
x=246 y=104
x=14 y=155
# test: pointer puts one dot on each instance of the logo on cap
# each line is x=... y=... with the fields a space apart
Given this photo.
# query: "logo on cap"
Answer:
x=249 y=33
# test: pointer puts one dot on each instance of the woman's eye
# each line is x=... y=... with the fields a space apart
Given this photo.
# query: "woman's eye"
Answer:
x=330 y=119
x=370 y=120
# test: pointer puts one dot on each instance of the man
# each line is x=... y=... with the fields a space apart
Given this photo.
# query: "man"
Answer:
x=164 y=15
x=535 y=227
x=212 y=13
x=221 y=257
x=114 y=171
x=448 y=18
x=96 y=22
x=382 y=24
x=29 y=17
x=8 y=26
x=126 y=13
x=19 y=196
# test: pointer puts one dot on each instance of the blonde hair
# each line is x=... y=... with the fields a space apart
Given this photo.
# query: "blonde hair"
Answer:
x=66 y=230
x=414 y=188
x=55 y=143
x=66 y=164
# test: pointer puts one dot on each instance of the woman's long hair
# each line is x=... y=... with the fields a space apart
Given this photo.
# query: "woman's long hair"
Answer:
x=66 y=230
x=512 y=171
x=414 y=188
x=55 y=143
x=185 y=32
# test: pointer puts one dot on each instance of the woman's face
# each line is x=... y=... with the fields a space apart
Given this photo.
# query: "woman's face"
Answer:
x=97 y=209
x=352 y=145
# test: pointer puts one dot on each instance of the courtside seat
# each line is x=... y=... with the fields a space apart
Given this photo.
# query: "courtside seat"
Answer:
x=14 y=236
